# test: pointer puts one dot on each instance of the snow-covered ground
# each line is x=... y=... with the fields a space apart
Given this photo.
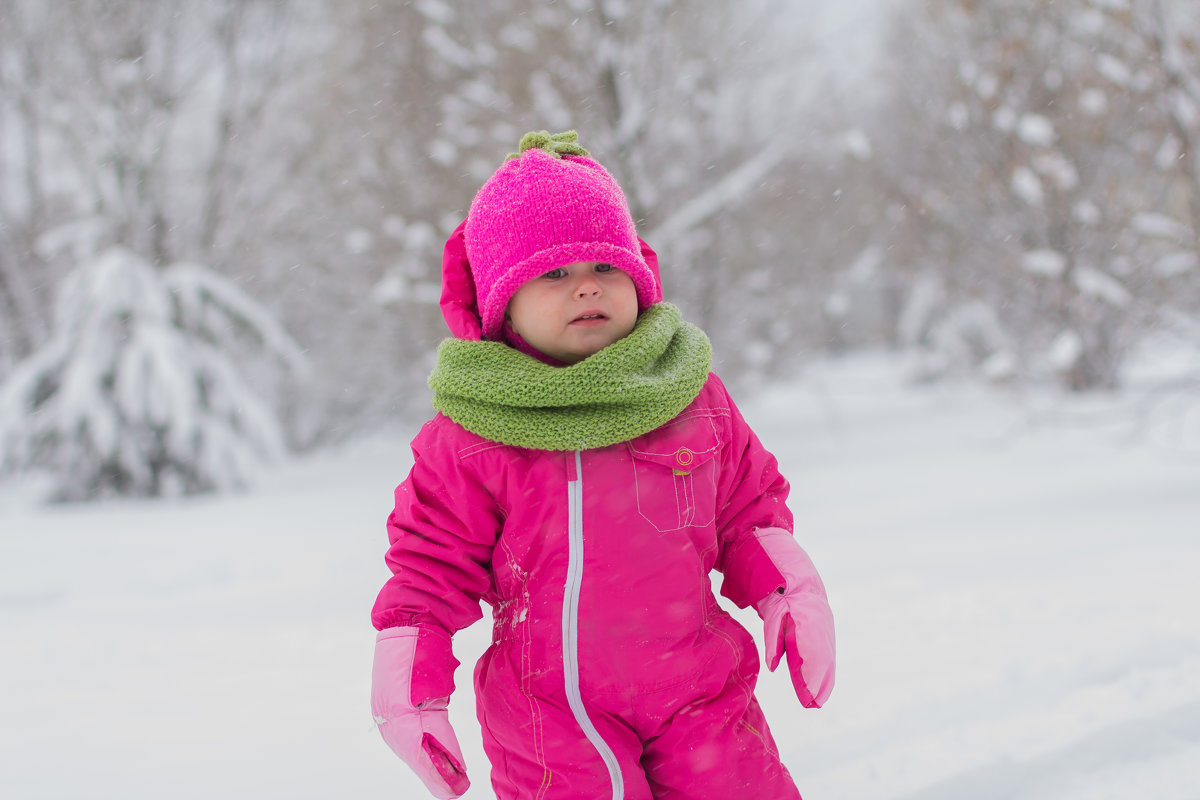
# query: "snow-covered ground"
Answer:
x=1014 y=580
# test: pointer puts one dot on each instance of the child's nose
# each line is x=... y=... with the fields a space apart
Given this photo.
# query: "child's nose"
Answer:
x=587 y=286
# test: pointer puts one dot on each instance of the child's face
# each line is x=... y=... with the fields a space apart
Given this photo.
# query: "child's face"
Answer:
x=574 y=311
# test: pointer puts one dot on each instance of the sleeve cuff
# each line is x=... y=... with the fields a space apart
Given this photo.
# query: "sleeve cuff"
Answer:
x=750 y=574
x=433 y=662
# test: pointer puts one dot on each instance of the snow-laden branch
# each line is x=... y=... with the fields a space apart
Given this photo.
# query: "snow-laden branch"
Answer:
x=728 y=191
x=201 y=293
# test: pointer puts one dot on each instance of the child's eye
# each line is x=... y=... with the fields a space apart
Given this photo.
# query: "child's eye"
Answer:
x=604 y=267
x=555 y=273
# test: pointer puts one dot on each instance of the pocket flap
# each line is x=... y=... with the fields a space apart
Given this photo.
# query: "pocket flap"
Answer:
x=681 y=444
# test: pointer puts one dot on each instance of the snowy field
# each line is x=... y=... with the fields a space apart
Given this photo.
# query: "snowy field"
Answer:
x=1015 y=582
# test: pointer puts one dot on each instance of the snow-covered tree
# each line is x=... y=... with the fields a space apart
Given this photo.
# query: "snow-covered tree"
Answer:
x=1042 y=175
x=137 y=125
x=697 y=114
x=136 y=393
x=317 y=153
x=23 y=192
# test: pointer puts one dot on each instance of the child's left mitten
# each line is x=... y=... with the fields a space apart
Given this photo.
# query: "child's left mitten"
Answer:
x=797 y=619
x=411 y=683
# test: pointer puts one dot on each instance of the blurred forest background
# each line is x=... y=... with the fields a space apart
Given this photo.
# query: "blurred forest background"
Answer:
x=221 y=222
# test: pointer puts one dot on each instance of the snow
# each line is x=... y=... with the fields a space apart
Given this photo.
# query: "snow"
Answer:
x=1036 y=130
x=440 y=42
x=1005 y=119
x=1087 y=212
x=519 y=37
x=1027 y=186
x=857 y=143
x=1168 y=153
x=134 y=393
x=1101 y=285
x=1044 y=262
x=1176 y=264
x=1185 y=107
x=1093 y=102
x=720 y=196
x=1160 y=226
x=1114 y=69
x=1066 y=350
x=1058 y=169
x=1012 y=577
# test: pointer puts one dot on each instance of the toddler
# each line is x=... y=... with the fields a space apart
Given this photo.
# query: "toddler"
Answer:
x=585 y=474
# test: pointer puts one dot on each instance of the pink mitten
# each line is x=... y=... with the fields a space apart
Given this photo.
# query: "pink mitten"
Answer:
x=797 y=619
x=411 y=684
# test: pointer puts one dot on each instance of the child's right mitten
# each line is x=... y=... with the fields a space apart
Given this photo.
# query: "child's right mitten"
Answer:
x=411 y=683
x=797 y=619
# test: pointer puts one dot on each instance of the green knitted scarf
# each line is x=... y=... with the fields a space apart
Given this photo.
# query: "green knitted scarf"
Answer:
x=629 y=388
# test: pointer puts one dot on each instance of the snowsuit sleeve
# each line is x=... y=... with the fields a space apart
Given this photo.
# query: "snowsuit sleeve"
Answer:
x=751 y=495
x=442 y=532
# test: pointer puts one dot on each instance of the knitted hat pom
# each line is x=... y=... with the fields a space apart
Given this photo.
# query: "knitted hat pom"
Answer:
x=556 y=144
x=548 y=205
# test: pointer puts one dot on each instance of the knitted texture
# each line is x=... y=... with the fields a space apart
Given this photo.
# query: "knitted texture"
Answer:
x=627 y=389
x=563 y=144
x=543 y=209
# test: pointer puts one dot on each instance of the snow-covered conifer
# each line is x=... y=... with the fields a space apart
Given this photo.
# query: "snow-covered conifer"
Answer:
x=140 y=390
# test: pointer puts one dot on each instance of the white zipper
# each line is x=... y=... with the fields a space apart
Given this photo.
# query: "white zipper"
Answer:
x=570 y=625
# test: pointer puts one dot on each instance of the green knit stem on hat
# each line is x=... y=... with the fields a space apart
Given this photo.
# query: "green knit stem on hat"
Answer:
x=556 y=144
x=629 y=388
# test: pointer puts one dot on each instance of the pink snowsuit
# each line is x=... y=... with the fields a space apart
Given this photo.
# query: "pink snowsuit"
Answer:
x=613 y=671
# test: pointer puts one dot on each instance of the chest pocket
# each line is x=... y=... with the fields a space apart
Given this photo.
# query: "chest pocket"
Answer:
x=674 y=469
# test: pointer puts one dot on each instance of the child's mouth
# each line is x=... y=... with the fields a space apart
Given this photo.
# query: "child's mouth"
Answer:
x=589 y=318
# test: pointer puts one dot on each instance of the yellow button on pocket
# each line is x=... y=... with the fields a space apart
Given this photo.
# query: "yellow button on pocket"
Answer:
x=684 y=456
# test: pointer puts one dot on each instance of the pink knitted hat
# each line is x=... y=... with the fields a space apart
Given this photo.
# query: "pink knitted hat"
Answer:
x=548 y=206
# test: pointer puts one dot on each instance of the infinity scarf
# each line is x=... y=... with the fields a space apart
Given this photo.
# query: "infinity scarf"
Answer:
x=625 y=390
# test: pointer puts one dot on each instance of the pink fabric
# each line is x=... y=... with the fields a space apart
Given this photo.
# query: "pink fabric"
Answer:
x=476 y=520
x=460 y=307
x=798 y=620
x=411 y=682
x=665 y=675
x=541 y=211
x=706 y=738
